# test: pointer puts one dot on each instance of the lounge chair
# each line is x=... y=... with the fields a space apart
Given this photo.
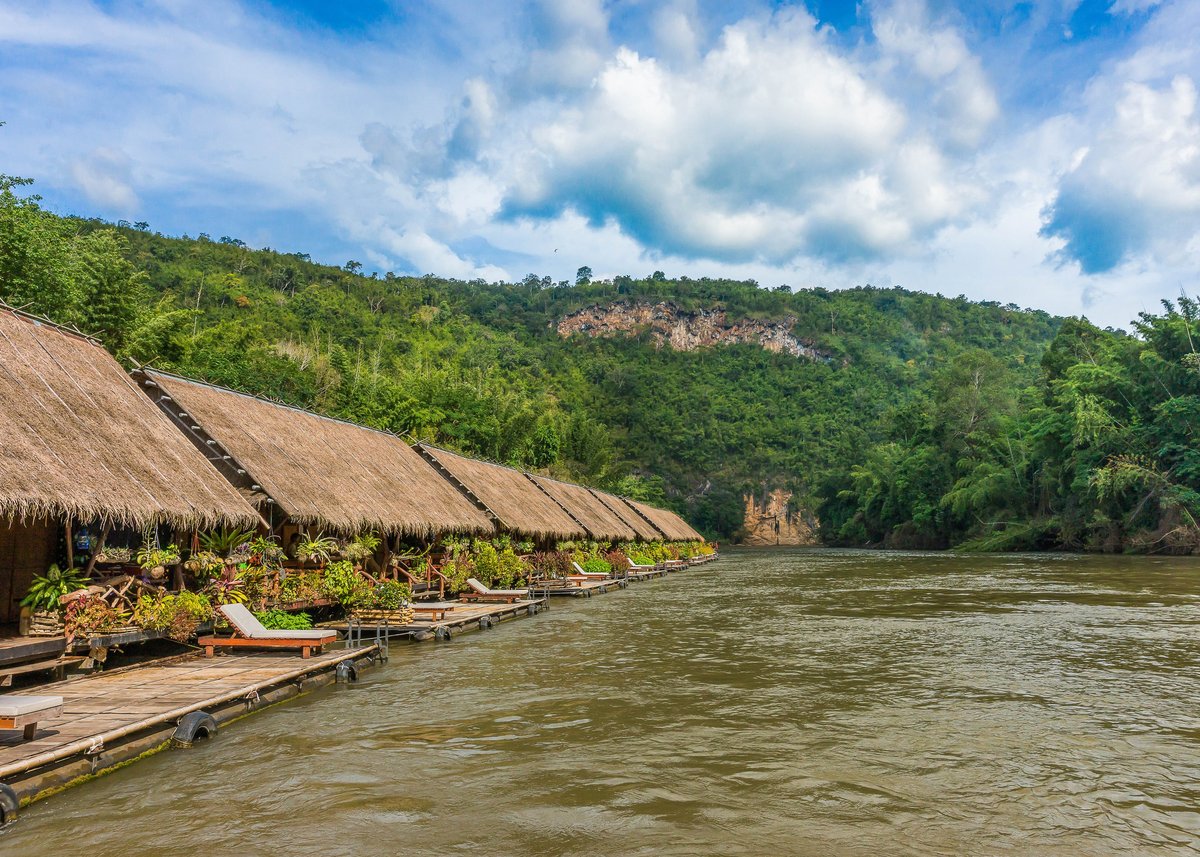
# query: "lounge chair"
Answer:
x=589 y=575
x=249 y=632
x=24 y=712
x=640 y=568
x=479 y=592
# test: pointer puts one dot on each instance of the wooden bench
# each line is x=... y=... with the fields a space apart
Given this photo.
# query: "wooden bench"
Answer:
x=24 y=712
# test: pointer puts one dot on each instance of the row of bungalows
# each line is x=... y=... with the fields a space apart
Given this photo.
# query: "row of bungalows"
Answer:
x=303 y=471
x=83 y=444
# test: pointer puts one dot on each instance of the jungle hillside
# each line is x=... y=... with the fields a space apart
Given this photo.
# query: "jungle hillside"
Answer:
x=895 y=418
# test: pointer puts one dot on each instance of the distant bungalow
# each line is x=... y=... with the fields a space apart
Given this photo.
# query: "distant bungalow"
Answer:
x=601 y=522
x=515 y=503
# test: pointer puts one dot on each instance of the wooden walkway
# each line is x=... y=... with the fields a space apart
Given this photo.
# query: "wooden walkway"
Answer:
x=459 y=616
x=107 y=708
x=582 y=589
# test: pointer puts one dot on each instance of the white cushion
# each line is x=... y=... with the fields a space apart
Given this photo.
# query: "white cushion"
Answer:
x=15 y=706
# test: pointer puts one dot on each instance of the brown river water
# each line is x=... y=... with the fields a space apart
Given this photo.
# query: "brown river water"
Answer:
x=774 y=702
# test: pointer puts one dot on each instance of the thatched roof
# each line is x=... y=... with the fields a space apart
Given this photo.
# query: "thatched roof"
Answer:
x=321 y=472
x=516 y=503
x=644 y=529
x=599 y=520
x=77 y=440
x=673 y=527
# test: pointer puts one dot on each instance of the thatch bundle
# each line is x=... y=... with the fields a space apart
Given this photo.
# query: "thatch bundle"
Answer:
x=644 y=530
x=77 y=440
x=673 y=527
x=321 y=472
x=582 y=505
x=518 y=505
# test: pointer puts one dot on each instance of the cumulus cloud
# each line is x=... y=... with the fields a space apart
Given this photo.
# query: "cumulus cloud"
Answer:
x=1136 y=188
x=773 y=145
x=963 y=106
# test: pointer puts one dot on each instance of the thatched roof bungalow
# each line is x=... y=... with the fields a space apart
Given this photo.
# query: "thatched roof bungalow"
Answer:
x=78 y=442
x=601 y=522
x=673 y=527
x=643 y=529
x=314 y=470
x=508 y=498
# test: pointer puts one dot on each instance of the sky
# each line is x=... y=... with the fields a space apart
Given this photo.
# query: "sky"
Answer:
x=1039 y=153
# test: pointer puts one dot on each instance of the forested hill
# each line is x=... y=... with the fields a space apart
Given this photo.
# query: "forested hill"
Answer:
x=898 y=417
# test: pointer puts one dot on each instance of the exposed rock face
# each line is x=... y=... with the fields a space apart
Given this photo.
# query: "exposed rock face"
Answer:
x=685 y=330
x=769 y=523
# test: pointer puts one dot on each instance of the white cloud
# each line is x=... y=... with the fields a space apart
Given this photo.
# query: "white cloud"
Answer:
x=104 y=176
x=773 y=145
x=963 y=105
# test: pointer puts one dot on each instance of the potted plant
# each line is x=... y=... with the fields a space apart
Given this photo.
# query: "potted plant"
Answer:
x=90 y=615
x=318 y=550
x=155 y=561
x=361 y=547
x=43 y=600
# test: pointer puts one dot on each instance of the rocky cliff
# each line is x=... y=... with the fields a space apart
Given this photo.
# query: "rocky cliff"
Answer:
x=686 y=330
x=769 y=522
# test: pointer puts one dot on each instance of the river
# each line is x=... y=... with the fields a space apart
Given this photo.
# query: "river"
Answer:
x=775 y=702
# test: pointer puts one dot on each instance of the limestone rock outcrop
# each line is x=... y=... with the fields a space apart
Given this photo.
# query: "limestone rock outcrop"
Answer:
x=687 y=330
x=769 y=521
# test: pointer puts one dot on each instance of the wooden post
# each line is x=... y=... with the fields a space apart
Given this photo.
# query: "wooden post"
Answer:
x=70 y=545
x=97 y=550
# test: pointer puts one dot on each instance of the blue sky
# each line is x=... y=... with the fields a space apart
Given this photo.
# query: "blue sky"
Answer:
x=1043 y=153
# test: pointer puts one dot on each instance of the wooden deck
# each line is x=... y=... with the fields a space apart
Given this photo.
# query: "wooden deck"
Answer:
x=459 y=616
x=582 y=589
x=104 y=712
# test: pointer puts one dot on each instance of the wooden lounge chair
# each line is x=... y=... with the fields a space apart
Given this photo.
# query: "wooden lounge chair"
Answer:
x=24 y=712
x=479 y=592
x=588 y=575
x=641 y=568
x=249 y=632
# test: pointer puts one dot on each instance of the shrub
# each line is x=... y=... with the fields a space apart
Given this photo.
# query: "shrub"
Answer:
x=487 y=564
x=345 y=585
x=596 y=566
x=391 y=595
x=177 y=615
x=511 y=569
x=456 y=572
x=281 y=620
x=617 y=561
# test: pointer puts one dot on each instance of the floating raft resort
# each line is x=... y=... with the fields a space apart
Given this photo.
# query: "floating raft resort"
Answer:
x=126 y=493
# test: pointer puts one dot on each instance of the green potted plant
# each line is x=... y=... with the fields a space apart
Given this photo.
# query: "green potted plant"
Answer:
x=45 y=617
x=155 y=561
x=318 y=550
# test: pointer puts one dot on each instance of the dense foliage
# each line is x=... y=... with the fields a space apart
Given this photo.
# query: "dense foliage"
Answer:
x=929 y=421
x=1098 y=452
